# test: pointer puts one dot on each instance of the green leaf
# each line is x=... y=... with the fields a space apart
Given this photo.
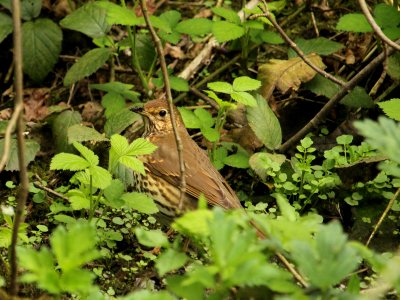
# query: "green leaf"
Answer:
x=189 y=118
x=117 y=122
x=75 y=247
x=264 y=123
x=87 y=65
x=238 y=160
x=113 y=103
x=170 y=260
x=271 y=38
x=228 y=14
x=113 y=193
x=225 y=31
x=147 y=295
x=80 y=133
x=244 y=98
x=60 y=127
x=30 y=9
x=262 y=162
x=285 y=208
x=386 y=16
x=210 y=134
x=354 y=23
x=41 y=42
x=320 y=85
x=140 y=146
x=357 y=98
x=140 y=202
x=391 y=108
x=68 y=161
x=77 y=281
x=31 y=149
x=6 y=26
x=151 y=238
x=220 y=87
x=244 y=83
x=134 y=163
x=124 y=89
x=78 y=199
x=145 y=51
x=194 y=27
x=88 y=154
x=89 y=19
x=118 y=15
x=321 y=46
x=178 y=84
x=101 y=178
x=205 y=118
x=393 y=69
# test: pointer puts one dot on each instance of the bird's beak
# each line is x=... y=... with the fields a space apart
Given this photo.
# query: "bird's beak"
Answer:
x=138 y=109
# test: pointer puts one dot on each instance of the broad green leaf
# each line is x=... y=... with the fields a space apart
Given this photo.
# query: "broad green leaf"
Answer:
x=170 y=260
x=393 y=68
x=145 y=51
x=101 y=178
x=189 y=118
x=74 y=247
x=178 y=84
x=237 y=160
x=88 y=154
x=320 y=85
x=262 y=162
x=225 y=31
x=134 y=163
x=119 y=121
x=245 y=83
x=357 y=98
x=186 y=289
x=354 y=23
x=31 y=149
x=271 y=38
x=204 y=117
x=89 y=19
x=210 y=134
x=264 y=123
x=87 y=65
x=228 y=14
x=68 y=161
x=172 y=17
x=30 y=9
x=244 y=98
x=391 y=108
x=77 y=280
x=119 y=144
x=60 y=127
x=386 y=15
x=151 y=238
x=113 y=103
x=6 y=26
x=148 y=295
x=285 y=208
x=140 y=146
x=194 y=223
x=41 y=42
x=194 y=27
x=117 y=87
x=118 y=15
x=113 y=194
x=220 y=87
x=321 y=46
x=140 y=202
x=78 y=200
x=80 y=133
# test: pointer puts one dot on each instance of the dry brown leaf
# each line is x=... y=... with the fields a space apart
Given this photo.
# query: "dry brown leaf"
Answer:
x=174 y=51
x=287 y=74
x=35 y=104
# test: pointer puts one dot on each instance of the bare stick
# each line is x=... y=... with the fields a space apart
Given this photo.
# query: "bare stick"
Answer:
x=375 y=26
x=383 y=216
x=23 y=174
x=293 y=45
x=379 y=82
x=163 y=64
x=314 y=122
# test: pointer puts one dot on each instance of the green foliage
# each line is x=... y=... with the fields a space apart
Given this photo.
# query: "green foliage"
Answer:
x=354 y=23
x=321 y=46
x=201 y=119
x=6 y=26
x=32 y=148
x=391 y=108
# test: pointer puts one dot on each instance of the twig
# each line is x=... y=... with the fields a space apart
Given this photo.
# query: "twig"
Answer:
x=314 y=122
x=375 y=26
x=23 y=174
x=383 y=216
x=204 y=97
x=163 y=64
x=379 y=82
x=45 y=188
x=293 y=45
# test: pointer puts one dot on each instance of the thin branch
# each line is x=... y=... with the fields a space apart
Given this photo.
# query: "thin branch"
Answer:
x=383 y=216
x=375 y=26
x=314 y=122
x=163 y=64
x=379 y=82
x=23 y=174
x=293 y=45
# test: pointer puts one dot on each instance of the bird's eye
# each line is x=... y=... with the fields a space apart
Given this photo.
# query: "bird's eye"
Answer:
x=162 y=113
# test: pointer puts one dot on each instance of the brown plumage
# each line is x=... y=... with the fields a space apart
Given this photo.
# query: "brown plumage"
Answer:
x=162 y=177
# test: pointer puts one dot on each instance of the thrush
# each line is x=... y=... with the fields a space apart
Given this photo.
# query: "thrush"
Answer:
x=162 y=178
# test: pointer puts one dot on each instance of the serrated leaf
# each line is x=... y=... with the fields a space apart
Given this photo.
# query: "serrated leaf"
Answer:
x=357 y=98
x=194 y=27
x=386 y=15
x=237 y=160
x=6 y=26
x=245 y=83
x=78 y=200
x=320 y=45
x=264 y=123
x=204 y=117
x=113 y=103
x=118 y=15
x=117 y=122
x=140 y=146
x=88 y=154
x=354 y=23
x=320 y=85
x=228 y=14
x=178 y=84
x=68 y=161
x=60 y=127
x=101 y=178
x=89 y=19
x=271 y=38
x=391 y=108
x=31 y=149
x=119 y=144
x=220 y=87
x=87 y=65
x=145 y=51
x=133 y=163
x=393 y=68
x=151 y=238
x=170 y=260
x=30 y=9
x=244 y=98
x=117 y=87
x=225 y=31
x=140 y=202
x=113 y=193
x=41 y=42
x=189 y=118
x=210 y=134
x=261 y=162
x=80 y=133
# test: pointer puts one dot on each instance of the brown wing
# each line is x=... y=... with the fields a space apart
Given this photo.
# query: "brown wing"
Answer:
x=201 y=176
